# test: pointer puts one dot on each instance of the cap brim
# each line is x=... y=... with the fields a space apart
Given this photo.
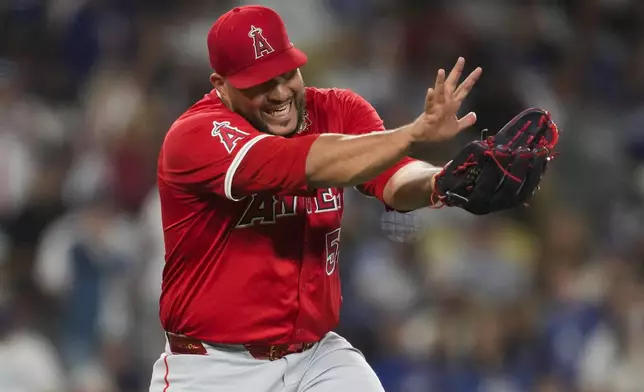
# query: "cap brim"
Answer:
x=265 y=70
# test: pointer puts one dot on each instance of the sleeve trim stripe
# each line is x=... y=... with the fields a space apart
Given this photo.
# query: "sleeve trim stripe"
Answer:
x=234 y=165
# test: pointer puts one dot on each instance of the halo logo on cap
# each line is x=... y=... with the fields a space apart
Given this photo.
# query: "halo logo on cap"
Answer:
x=261 y=45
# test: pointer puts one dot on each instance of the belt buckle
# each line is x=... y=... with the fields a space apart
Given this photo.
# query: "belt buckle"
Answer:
x=275 y=354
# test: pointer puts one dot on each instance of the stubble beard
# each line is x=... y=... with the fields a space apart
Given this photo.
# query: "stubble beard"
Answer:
x=300 y=106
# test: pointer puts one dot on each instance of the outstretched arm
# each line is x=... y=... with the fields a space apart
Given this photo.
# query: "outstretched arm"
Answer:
x=235 y=160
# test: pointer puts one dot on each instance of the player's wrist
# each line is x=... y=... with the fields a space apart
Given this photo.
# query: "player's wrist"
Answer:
x=404 y=137
x=416 y=132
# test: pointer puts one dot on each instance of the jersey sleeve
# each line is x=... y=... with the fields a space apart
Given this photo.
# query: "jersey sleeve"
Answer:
x=232 y=159
x=359 y=117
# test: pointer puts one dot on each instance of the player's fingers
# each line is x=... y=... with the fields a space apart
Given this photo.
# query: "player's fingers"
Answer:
x=454 y=76
x=439 y=87
x=429 y=98
x=467 y=121
x=464 y=89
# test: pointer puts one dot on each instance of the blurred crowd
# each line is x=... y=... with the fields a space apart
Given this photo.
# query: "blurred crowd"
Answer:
x=547 y=298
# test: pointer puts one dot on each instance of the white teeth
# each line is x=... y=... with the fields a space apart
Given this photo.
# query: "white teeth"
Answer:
x=280 y=110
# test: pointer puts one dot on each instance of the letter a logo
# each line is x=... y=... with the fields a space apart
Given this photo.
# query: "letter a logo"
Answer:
x=228 y=135
x=260 y=44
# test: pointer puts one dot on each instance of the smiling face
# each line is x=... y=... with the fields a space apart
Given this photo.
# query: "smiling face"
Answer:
x=276 y=106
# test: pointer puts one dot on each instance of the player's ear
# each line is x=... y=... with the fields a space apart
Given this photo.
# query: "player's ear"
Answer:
x=218 y=82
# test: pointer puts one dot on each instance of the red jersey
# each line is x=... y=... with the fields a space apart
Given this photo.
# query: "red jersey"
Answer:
x=251 y=251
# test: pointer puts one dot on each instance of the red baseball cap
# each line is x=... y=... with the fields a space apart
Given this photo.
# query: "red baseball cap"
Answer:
x=249 y=46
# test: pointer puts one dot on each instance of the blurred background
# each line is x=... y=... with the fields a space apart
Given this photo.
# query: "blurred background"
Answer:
x=547 y=298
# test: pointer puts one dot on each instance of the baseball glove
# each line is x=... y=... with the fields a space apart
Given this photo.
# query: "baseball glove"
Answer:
x=500 y=171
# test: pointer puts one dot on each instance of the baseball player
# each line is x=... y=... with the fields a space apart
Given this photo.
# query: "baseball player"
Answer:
x=251 y=182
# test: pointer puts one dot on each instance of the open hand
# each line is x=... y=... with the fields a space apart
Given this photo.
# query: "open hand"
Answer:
x=439 y=121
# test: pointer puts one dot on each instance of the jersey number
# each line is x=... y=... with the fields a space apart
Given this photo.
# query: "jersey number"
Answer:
x=332 y=250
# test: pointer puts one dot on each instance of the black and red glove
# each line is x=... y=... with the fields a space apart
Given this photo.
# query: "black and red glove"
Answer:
x=501 y=171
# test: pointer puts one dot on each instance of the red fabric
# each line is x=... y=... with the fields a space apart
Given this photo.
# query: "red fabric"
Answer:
x=262 y=269
x=213 y=150
x=249 y=45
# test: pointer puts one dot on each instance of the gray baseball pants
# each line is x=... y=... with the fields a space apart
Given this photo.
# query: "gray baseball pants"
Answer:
x=331 y=365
